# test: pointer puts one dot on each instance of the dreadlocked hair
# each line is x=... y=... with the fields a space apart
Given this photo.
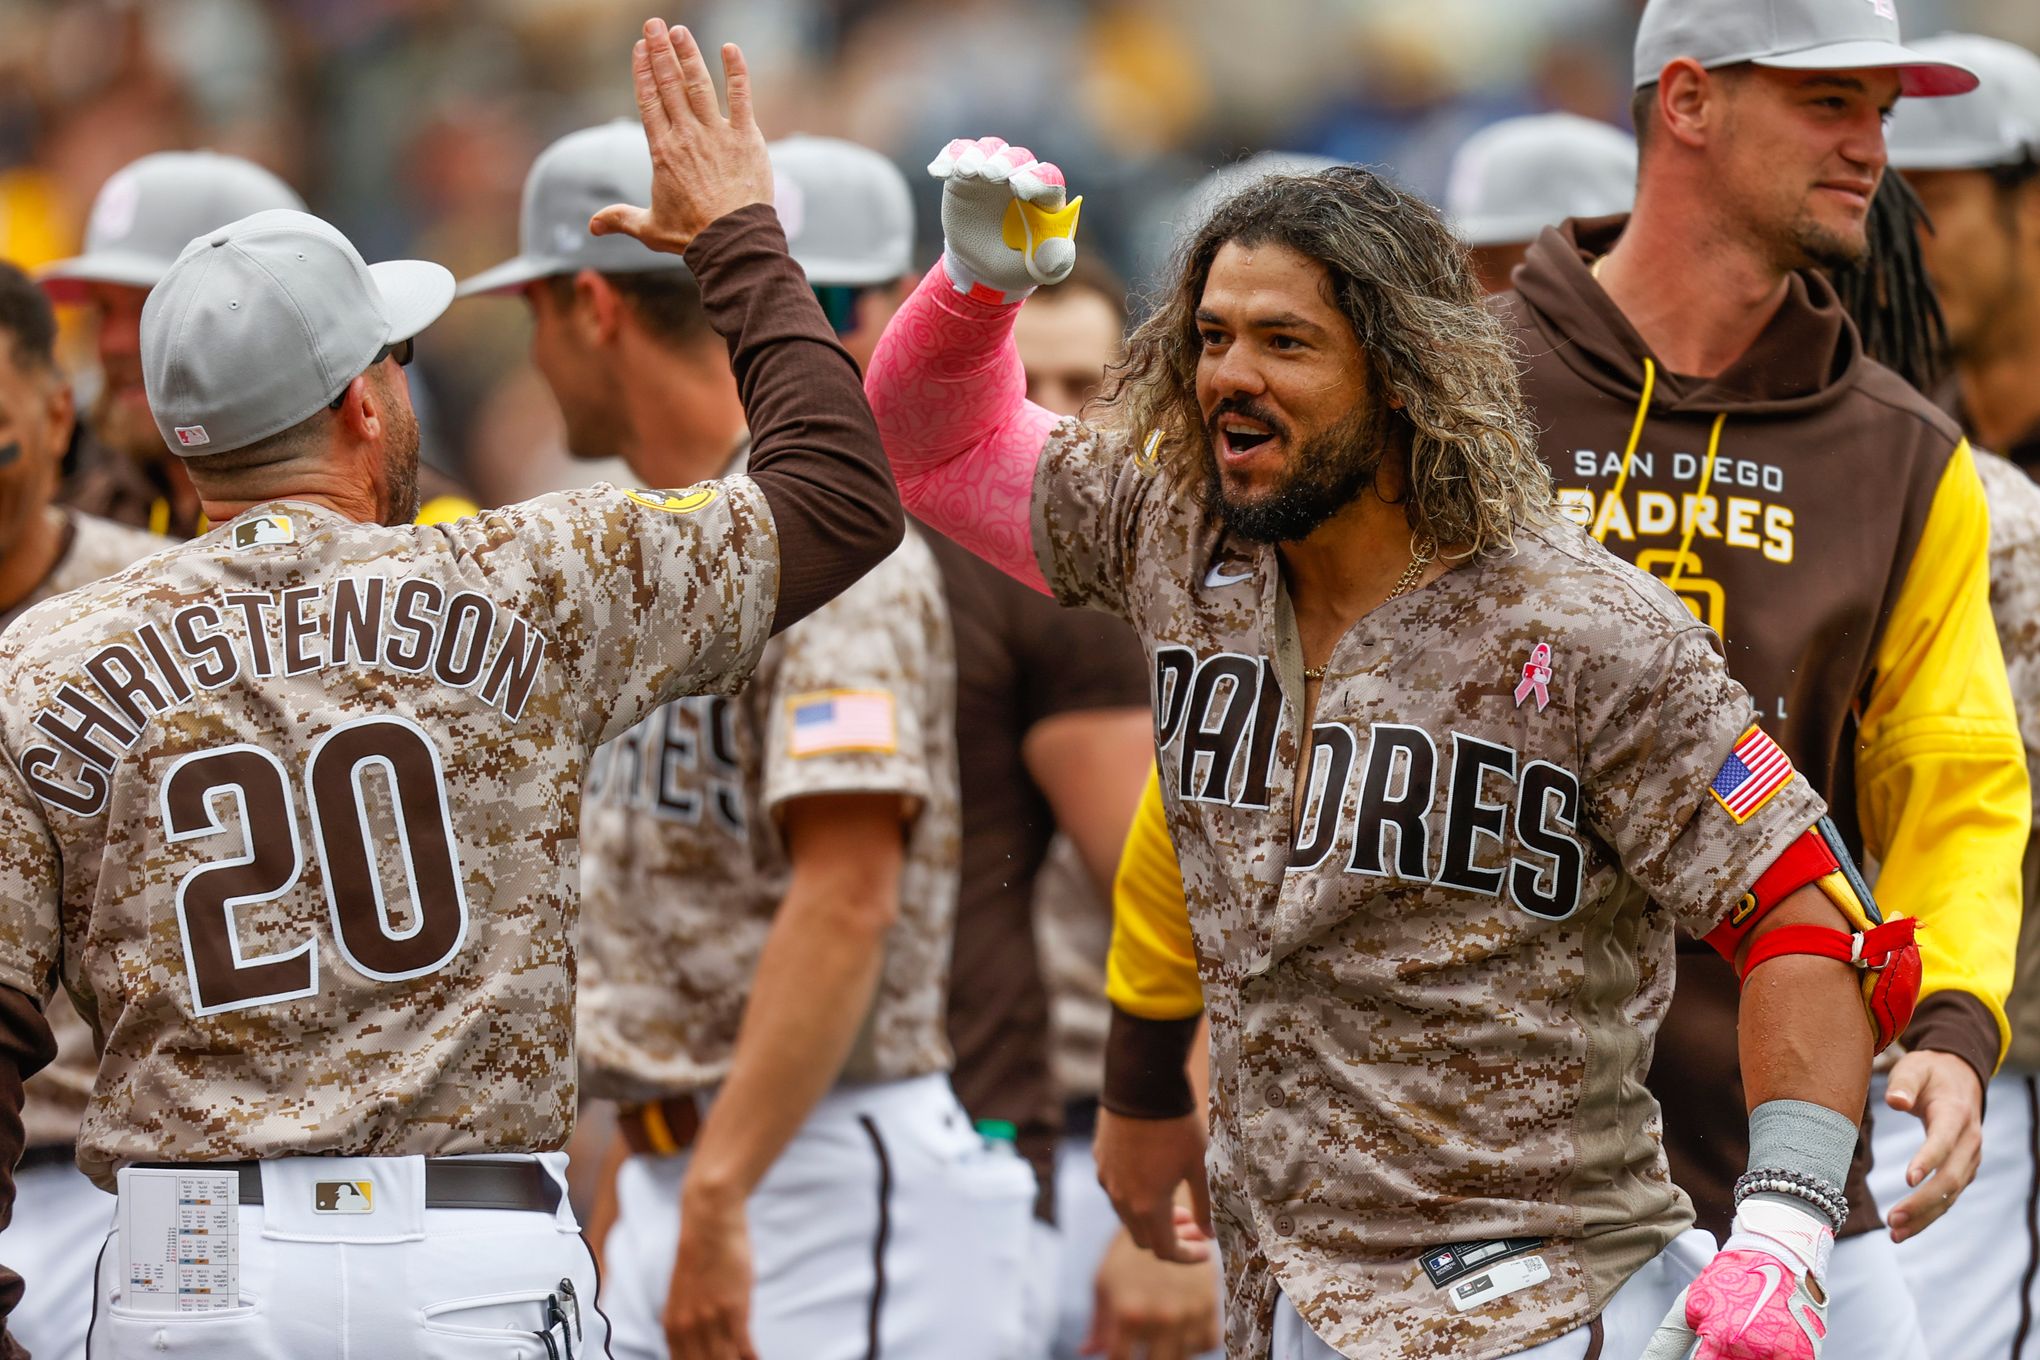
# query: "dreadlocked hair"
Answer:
x=1402 y=281
x=1888 y=295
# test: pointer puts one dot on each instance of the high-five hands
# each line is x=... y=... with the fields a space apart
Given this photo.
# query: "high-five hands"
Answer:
x=1005 y=225
x=703 y=164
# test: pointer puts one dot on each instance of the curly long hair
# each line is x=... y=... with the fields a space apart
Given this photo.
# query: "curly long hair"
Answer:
x=1402 y=281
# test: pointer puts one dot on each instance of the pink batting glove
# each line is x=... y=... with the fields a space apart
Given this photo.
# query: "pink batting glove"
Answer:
x=1760 y=1298
x=1006 y=227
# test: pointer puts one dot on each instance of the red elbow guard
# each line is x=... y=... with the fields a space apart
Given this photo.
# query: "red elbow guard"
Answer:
x=1889 y=958
x=1883 y=950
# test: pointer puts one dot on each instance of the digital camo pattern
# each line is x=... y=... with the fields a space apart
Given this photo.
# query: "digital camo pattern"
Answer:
x=684 y=867
x=56 y=1095
x=308 y=793
x=1431 y=1006
x=2015 y=607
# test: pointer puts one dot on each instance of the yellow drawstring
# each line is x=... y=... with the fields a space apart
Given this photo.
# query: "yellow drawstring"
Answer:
x=1693 y=520
x=1629 y=453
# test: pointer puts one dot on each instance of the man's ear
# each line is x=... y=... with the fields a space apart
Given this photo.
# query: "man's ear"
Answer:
x=361 y=412
x=1689 y=102
x=598 y=309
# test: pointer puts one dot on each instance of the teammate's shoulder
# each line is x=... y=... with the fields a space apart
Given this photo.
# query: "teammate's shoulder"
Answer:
x=1880 y=385
x=2012 y=496
x=115 y=543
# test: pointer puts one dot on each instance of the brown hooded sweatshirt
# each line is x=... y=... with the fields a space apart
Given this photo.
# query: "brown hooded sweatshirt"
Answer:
x=1827 y=520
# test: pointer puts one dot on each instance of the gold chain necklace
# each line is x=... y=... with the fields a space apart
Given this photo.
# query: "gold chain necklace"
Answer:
x=1421 y=554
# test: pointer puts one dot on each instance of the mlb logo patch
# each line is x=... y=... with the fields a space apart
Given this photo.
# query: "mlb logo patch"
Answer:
x=841 y=720
x=1753 y=773
x=253 y=533
x=343 y=1197
x=191 y=436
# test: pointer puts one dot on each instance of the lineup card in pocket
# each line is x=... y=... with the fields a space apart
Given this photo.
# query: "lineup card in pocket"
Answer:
x=180 y=1237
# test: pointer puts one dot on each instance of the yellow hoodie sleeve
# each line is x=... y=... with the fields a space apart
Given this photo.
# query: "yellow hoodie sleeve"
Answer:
x=1941 y=788
x=1151 y=970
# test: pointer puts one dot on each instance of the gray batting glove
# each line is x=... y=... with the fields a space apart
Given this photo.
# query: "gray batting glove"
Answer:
x=1006 y=227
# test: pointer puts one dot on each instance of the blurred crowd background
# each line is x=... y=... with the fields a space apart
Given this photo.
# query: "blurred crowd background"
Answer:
x=410 y=123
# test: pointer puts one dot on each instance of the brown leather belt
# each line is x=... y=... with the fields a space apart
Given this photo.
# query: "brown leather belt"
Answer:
x=450 y=1183
x=659 y=1128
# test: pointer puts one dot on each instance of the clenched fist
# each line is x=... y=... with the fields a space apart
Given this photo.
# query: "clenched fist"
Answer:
x=1005 y=225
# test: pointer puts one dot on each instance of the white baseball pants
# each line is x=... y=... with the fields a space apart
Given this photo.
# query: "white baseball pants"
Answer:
x=1626 y=1323
x=889 y=1229
x=60 y=1221
x=401 y=1280
x=1973 y=1273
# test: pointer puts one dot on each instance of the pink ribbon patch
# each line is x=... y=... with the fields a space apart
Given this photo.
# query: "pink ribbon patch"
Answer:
x=1536 y=675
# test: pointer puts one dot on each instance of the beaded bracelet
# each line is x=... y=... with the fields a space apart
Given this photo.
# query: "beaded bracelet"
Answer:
x=1827 y=1198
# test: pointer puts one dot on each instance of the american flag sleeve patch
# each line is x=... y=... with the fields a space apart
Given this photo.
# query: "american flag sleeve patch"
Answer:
x=835 y=720
x=1754 y=771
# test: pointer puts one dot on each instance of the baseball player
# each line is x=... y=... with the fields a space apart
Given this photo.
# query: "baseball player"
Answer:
x=1444 y=777
x=140 y=219
x=1512 y=179
x=1972 y=159
x=292 y=810
x=60 y=1218
x=1711 y=417
x=770 y=877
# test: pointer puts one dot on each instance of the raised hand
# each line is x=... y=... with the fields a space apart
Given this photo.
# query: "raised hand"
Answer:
x=1006 y=227
x=703 y=164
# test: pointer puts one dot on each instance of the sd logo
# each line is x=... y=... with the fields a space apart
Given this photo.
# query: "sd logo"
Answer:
x=675 y=502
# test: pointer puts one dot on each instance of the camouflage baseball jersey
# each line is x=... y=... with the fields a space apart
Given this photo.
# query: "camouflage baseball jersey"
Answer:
x=294 y=808
x=1432 y=1002
x=683 y=864
x=56 y=1096
x=2015 y=607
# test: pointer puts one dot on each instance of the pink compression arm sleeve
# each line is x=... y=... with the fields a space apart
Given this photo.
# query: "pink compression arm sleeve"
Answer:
x=951 y=401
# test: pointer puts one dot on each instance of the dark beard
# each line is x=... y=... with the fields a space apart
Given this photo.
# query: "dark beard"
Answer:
x=1819 y=248
x=1327 y=473
x=400 y=465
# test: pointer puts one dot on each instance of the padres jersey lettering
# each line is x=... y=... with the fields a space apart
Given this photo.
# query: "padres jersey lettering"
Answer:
x=1433 y=933
x=304 y=803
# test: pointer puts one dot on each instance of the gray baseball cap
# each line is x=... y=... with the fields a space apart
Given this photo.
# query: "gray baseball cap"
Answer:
x=148 y=210
x=1791 y=35
x=260 y=323
x=847 y=210
x=573 y=179
x=1512 y=179
x=1998 y=123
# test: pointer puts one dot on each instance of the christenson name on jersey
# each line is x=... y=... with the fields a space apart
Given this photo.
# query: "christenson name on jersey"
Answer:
x=462 y=639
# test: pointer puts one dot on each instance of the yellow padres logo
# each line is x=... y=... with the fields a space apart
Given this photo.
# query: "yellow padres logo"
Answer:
x=675 y=502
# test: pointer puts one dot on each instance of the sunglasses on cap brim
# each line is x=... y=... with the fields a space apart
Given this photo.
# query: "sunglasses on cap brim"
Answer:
x=400 y=350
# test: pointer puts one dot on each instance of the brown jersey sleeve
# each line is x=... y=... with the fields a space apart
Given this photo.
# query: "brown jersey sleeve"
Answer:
x=815 y=450
x=26 y=1046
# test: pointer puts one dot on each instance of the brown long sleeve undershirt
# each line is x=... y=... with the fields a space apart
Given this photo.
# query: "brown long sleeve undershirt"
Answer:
x=26 y=1047
x=815 y=450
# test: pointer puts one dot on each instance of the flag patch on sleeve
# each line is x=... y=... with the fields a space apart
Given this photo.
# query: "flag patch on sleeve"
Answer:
x=1754 y=771
x=840 y=720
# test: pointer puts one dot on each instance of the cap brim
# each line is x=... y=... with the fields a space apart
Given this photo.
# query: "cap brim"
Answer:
x=511 y=276
x=1952 y=156
x=1918 y=78
x=414 y=292
x=67 y=280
